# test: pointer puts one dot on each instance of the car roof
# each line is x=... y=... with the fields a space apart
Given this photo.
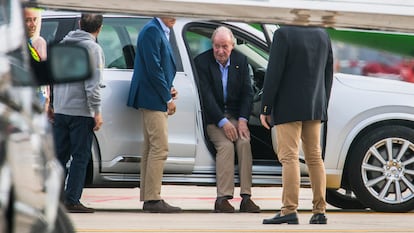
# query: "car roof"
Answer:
x=73 y=14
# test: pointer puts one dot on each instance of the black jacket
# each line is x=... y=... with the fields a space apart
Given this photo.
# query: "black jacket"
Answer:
x=299 y=75
x=239 y=88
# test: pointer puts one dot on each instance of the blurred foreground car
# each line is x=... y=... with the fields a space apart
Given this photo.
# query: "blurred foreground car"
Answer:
x=31 y=178
x=368 y=141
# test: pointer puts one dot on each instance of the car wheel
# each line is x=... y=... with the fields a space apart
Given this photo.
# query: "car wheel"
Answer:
x=382 y=169
x=343 y=199
x=63 y=222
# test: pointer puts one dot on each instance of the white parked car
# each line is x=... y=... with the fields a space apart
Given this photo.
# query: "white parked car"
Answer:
x=368 y=141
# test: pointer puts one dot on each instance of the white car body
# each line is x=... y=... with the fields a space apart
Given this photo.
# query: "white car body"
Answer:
x=358 y=106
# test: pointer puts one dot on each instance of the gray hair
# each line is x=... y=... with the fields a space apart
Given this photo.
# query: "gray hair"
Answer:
x=225 y=30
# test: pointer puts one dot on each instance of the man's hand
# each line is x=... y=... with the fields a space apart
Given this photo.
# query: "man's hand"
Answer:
x=265 y=119
x=98 y=121
x=230 y=131
x=171 y=108
x=50 y=114
x=174 y=93
x=243 y=129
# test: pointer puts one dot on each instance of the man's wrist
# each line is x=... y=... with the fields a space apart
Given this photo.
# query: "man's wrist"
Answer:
x=242 y=119
x=222 y=122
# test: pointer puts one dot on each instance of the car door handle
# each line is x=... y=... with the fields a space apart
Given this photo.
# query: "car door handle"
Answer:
x=102 y=85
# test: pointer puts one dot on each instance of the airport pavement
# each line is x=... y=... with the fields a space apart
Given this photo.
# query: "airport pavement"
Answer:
x=197 y=198
x=120 y=211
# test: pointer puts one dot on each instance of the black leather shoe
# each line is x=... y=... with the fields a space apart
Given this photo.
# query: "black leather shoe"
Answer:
x=289 y=219
x=78 y=208
x=223 y=206
x=248 y=206
x=318 y=219
x=159 y=206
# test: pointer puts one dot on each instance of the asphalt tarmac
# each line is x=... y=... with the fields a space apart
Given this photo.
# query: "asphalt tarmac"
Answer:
x=120 y=211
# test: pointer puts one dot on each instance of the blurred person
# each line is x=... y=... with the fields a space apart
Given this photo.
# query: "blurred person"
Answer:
x=37 y=45
x=227 y=96
x=33 y=21
x=296 y=93
x=77 y=113
x=152 y=92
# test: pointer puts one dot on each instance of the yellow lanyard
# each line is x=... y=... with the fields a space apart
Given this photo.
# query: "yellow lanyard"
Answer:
x=33 y=51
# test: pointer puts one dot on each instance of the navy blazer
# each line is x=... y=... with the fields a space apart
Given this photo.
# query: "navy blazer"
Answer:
x=299 y=75
x=154 y=69
x=239 y=88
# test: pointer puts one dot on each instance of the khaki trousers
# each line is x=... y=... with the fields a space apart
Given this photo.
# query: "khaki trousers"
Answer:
x=288 y=141
x=225 y=161
x=154 y=154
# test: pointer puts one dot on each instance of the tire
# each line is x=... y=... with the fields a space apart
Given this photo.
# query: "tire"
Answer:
x=381 y=169
x=63 y=223
x=343 y=199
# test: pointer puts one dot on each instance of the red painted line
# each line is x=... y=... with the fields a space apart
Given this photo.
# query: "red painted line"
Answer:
x=99 y=198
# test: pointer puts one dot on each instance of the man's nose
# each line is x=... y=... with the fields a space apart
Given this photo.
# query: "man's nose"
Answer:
x=31 y=23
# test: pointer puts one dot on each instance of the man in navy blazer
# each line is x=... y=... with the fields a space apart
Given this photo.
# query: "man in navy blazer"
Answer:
x=227 y=94
x=153 y=93
x=295 y=98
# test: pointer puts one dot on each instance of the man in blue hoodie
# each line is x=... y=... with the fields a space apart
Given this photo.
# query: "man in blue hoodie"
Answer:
x=77 y=113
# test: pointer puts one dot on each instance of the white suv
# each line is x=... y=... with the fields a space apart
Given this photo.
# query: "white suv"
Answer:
x=368 y=140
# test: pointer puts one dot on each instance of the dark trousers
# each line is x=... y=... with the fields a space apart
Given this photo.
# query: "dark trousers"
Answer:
x=73 y=137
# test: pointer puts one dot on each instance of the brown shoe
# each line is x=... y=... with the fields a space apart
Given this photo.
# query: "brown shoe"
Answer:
x=248 y=206
x=159 y=206
x=223 y=206
x=78 y=208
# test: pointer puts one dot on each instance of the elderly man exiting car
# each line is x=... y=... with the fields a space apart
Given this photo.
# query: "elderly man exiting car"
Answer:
x=227 y=96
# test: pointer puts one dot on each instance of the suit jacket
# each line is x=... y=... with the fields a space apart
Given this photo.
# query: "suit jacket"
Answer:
x=154 y=69
x=239 y=89
x=299 y=75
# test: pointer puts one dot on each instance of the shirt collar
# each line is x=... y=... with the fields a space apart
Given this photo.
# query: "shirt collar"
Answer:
x=164 y=28
x=227 y=63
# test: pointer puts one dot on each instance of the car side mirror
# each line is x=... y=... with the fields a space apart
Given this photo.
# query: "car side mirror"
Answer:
x=65 y=63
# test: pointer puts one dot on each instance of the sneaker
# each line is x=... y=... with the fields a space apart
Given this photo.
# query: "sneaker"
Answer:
x=318 y=219
x=223 y=206
x=248 y=206
x=78 y=208
x=159 y=206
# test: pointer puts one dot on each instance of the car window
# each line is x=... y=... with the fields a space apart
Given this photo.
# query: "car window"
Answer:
x=118 y=38
x=54 y=29
x=49 y=30
x=197 y=42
